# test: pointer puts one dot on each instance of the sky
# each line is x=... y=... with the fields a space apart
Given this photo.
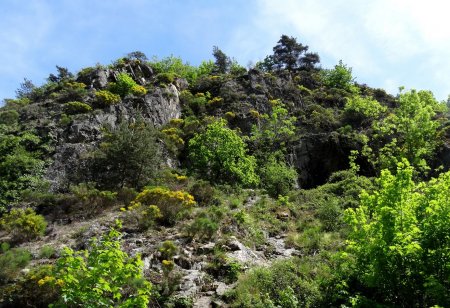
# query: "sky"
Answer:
x=387 y=43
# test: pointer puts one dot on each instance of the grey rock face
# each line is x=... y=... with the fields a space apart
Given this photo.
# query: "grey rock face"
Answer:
x=84 y=134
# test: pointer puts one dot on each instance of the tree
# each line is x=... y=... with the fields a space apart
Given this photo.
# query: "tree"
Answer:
x=340 y=77
x=104 y=276
x=276 y=176
x=63 y=75
x=26 y=89
x=129 y=155
x=220 y=153
x=137 y=55
x=21 y=166
x=222 y=63
x=287 y=53
x=274 y=131
x=411 y=131
x=400 y=239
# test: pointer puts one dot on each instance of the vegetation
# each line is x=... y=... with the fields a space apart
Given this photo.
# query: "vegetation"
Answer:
x=102 y=276
x=220 y=153
x=282 y=185
x=128 y=156
x=23 y=224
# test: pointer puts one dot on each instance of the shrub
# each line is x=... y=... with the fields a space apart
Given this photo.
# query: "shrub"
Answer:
x=106 y=98
x=171 y=204
x=203 y=192
x=123 y=85
x=26 y=289
x=138 y=90
x=65 y=120
x=143 y=216
x=23 y=224
x=9 y=117
x=276 y=177
x=221 y=154
x=166 y=78
x=362 y=109
x=103 y=276
x=286 y=283
x=47 y=252
x=202 y=227
x=76 y=107
x=11 y=262
x=92 y=200
x=128 y=156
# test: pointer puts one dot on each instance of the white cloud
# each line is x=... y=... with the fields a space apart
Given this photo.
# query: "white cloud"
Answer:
x=383 y=40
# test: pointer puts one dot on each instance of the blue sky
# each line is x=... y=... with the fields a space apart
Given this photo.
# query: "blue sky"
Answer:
x=388 y=43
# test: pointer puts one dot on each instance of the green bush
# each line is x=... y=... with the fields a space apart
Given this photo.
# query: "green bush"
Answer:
x=9 y=117
x=11 y=262
x=287 y=283
x=202 y=227
x=166 y=78
x=128 y=156
x=47 y=252
x=138 y=90
x=171 y=204
x=203 y=192
x=400 y=238
x=104 y=276
x=123 y=85
x=65 y=119
x=76 y=107
x=91 y=199
x=26 y=289
x=23 y=224
x=276 y=177
x=106 y=98
x=221 y=154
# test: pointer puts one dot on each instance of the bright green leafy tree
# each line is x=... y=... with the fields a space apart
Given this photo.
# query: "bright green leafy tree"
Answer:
x=400 y=239
x=21 y=166
x=220 y=153
x=274 y=131
x=104 y=276
x=411 y=131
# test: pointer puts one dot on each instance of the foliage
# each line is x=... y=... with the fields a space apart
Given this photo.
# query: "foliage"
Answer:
x=9 y=117
x=276 y=176
x=340 y=77
x=203 y=227
x=11 y=262
x=287 y=283
x=123 y=86
x=220 y=153
x=171 y=204
x=138 y=90
x=203 y=192
x=104 y=276
x=77 y=107
x=23 y=224
x=128 y=156
x=363 y=108
x=222 y=63
x=106 y=98
x=412 y=131
x=165 y=78
x=92 y=200
x=175 y=66
x=287 y=53
x=400 y=238
x=25 y=288
x=274 y=131
x=21 y=165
